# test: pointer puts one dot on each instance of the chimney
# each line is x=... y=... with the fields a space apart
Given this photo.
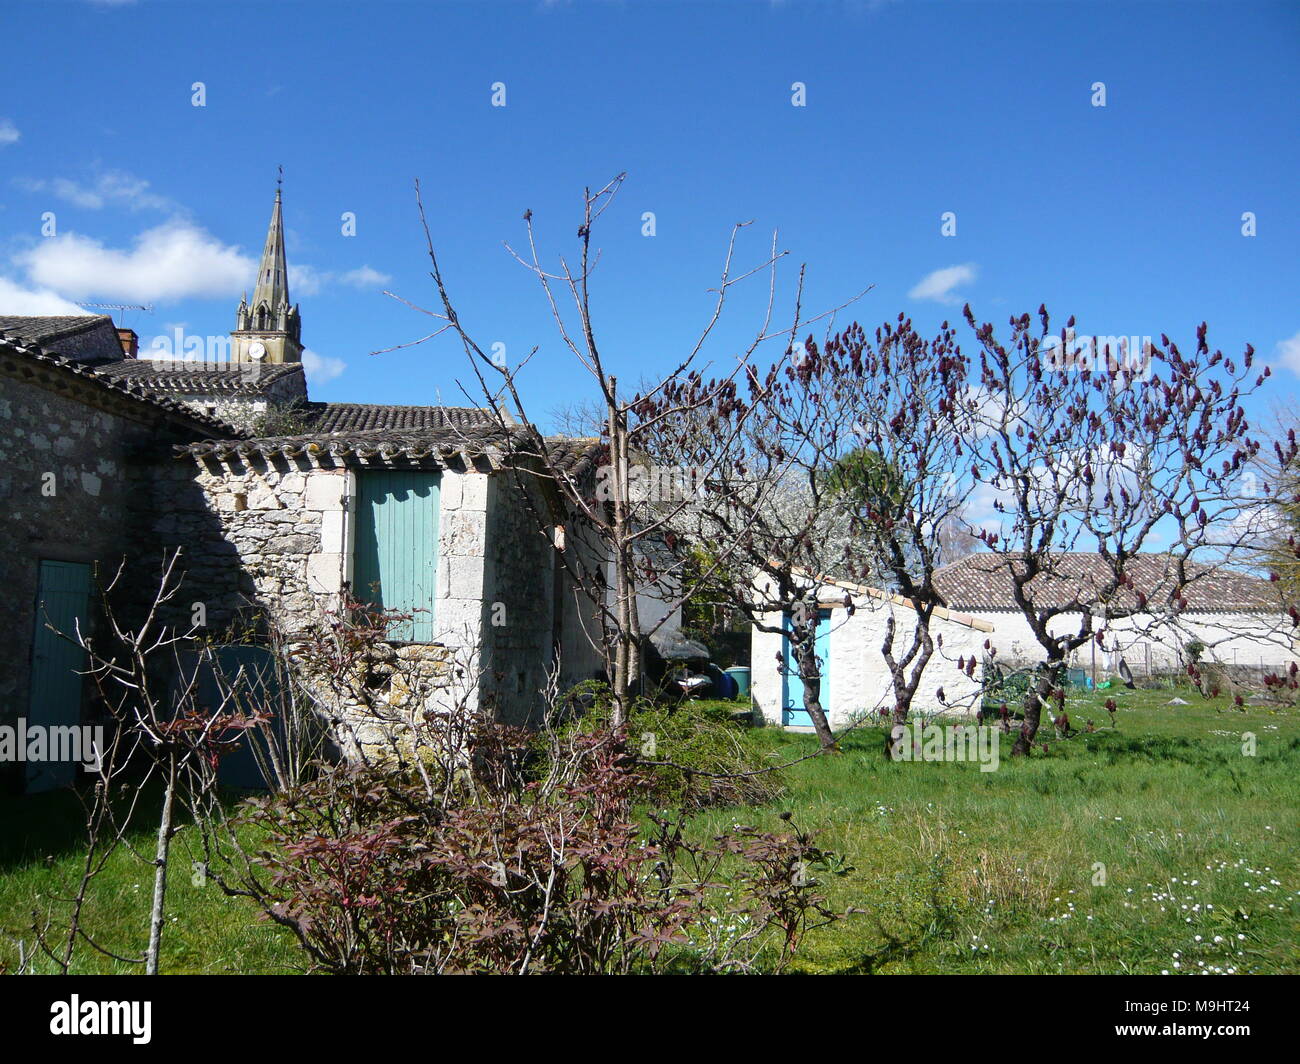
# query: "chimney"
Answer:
x=129 y=341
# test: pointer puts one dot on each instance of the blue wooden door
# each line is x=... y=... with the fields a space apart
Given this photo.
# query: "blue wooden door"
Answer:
x=793 y=713
x=395 y=565
x=54 y=700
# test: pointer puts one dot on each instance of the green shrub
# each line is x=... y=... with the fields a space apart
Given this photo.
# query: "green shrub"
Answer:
x=1003 y=684
x=696 y=753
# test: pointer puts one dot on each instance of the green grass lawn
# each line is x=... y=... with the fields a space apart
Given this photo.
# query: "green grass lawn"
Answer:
x=41 y=843
x=966 y=871
x=953 y=869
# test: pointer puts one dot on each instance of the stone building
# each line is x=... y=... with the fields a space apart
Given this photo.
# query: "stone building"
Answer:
x=448 y=525
x=855 y=678
x=1236 y=619
x=435 y=512
x=72 y=443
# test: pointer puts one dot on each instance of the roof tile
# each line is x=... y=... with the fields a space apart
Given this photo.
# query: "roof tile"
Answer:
x=182 y=376
x=983 y=581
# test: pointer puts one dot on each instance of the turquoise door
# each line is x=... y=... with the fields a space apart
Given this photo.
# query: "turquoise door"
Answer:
x=793 y=713
x=54 y=701
x=395 y=564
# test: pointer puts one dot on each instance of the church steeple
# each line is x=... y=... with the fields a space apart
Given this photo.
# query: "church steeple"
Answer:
x=272 y=288
x=269 y=329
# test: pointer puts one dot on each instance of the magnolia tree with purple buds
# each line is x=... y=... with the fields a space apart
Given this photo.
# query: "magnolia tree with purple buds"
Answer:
x=838 y=463
x=1116 y=457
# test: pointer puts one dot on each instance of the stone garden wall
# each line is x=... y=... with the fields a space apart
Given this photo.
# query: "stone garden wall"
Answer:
x=67 y=495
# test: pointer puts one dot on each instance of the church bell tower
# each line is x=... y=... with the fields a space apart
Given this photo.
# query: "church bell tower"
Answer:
x=269 y=330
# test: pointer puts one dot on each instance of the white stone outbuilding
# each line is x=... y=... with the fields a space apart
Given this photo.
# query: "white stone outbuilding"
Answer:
x=1236 y=621
x=856 y=680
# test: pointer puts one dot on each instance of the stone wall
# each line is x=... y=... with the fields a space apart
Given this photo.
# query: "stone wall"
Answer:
x=238 y=410
x=50 y=443
x=252 y=538
x=518 y=597
x=581 y=657
x=462 y=546
x=70 y=492
x=277 y=539
x=243 y=410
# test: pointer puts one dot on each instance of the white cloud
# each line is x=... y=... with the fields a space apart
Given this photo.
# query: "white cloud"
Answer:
x=321 y=368
x=364 y=277
x=109 y=187
x=172 y=261
x=306 y=280
x=8 y=133
x=176 y=260
x=15 y=299
x=1288 y=353
x=938 y=285
x=309 y=281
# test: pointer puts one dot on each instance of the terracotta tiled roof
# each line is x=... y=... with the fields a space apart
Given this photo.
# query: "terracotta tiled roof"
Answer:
x=443 y=447
x=29 y=359
x=982 y=581
x=182 y=376
x=854 y=588
x=437 y=447
x=366 y=417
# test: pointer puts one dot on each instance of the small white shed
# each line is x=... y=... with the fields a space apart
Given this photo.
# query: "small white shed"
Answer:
x=855 y=678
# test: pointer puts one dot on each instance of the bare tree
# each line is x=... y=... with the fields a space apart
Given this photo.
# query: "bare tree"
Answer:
x=619 y=529
x=1265 y=535
x=772 y=520
x=158 y=732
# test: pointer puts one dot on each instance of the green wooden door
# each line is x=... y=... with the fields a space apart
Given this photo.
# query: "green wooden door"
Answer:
x=54 y=700
x=395 y=565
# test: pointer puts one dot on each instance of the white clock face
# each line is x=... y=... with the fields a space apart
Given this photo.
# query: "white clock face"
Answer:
x=256 y=349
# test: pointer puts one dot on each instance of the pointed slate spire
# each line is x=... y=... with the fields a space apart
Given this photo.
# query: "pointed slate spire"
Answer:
x=272 y=289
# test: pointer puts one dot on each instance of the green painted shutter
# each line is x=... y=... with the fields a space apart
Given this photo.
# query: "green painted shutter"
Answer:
x=63 y=600
x=395 y=565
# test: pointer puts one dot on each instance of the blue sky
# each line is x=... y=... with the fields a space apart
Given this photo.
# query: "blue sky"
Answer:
x=1128 y=216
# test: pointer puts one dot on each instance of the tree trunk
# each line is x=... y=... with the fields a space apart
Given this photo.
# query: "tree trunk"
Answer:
x=904 y=691
x=897 y=720
x=1034 y=698
x=810 y=671
x=634 y=642
x=161 y=854
x=621 y=680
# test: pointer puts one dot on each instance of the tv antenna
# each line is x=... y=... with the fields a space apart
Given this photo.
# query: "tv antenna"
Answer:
x=119 y=306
